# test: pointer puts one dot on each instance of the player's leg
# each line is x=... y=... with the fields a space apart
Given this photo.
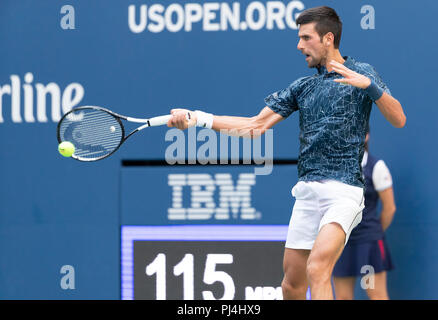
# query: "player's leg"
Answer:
x=303 y=229
x=325 y=252
x=344 y=287
x=341 y=206
x=294 y=284
x=379 y=292
x=346 y=272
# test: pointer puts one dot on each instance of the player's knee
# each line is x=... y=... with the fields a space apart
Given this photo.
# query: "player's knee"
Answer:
x=293 y=288
x=317 y=271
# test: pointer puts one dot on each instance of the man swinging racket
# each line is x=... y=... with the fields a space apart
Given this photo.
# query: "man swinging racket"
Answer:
x=334 y=108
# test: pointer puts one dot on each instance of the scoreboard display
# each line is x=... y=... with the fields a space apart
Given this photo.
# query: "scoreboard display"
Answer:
x=202 y=262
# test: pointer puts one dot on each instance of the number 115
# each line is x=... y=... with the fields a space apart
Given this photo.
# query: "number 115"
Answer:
x=185 y=268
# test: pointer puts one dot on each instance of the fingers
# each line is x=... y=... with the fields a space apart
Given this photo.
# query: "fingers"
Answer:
x=173 y=111
x=341 y=72
x=341 y=69
x=179 y=119
x=343 y=81
x=350 y=77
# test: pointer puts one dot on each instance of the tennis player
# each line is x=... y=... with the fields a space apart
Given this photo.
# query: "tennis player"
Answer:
x=367 y=245
x=334 y=108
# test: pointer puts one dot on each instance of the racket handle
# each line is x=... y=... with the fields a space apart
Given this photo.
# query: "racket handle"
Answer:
x=162 y=120
x=159 y=121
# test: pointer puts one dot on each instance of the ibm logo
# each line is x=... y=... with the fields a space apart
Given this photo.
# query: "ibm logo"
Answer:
x=234 y=200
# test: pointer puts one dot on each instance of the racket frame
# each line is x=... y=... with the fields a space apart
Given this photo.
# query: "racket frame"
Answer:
x=160 y=120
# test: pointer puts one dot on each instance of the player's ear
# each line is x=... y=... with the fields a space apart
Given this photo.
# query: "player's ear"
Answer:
x=328 y=39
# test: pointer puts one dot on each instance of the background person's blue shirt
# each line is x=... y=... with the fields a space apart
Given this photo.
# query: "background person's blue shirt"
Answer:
x=333 y=122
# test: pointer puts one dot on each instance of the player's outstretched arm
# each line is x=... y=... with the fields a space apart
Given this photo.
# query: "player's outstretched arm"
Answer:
x=240 y=126
x=388 y=106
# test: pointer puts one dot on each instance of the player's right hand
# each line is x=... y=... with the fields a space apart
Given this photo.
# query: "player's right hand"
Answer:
x=182 y=119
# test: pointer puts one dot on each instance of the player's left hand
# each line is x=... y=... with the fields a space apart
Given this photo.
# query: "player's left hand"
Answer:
x=350 y=77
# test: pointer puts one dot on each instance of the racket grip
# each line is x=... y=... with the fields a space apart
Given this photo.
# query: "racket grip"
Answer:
x=159 y=121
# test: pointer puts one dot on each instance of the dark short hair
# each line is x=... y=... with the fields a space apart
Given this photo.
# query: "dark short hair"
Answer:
x=327 y=20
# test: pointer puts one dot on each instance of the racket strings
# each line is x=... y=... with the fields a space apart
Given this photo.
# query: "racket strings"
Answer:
x=94 y=133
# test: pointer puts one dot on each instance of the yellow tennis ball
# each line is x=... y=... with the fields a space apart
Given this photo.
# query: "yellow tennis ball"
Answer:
x=66 y=148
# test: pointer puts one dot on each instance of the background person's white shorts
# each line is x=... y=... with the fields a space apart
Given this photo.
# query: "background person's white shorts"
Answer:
x=319 y=203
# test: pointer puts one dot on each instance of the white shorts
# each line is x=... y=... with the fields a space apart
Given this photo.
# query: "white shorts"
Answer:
x=319 y=203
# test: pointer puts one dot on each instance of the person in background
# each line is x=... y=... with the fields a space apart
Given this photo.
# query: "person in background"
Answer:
x=367 y=245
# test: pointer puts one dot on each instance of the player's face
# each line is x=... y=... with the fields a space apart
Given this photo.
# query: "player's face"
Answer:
x=310 y=45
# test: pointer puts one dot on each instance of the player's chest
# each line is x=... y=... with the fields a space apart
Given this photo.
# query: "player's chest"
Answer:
x=323 y=97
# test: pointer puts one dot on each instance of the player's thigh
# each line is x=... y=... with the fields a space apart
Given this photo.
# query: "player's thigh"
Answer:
x=305 y=219
x=344 y=287
x=379 y=290
x=327 y=249
x=341 y=204
x=294 y=266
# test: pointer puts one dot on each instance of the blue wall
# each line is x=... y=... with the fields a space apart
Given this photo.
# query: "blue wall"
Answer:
x=56 y=211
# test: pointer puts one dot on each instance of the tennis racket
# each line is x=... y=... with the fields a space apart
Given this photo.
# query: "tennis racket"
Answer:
x=97 y=132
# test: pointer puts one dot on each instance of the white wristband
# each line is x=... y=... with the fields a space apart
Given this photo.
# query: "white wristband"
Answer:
x=203 y=119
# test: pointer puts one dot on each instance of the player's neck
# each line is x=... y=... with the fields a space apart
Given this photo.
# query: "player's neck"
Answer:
x=333 y=55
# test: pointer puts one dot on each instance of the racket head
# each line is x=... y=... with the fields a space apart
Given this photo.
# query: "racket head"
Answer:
x=95 y=132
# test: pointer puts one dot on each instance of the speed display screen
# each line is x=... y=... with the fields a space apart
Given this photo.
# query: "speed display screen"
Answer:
x=202 y=262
